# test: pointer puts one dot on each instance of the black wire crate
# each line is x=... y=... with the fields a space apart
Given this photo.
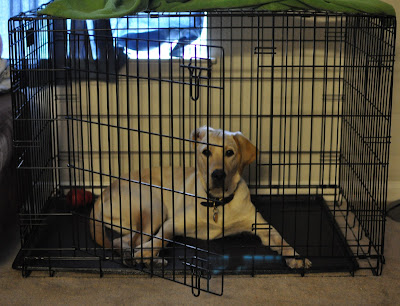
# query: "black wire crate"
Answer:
x=135 y=137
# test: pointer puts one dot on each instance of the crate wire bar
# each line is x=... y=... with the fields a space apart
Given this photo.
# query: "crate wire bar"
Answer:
x=311 y=90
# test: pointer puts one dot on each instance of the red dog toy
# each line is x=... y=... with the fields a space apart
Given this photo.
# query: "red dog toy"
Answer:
x=79 y=197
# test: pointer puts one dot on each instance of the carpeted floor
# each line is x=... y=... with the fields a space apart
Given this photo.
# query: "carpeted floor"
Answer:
x=87 y=289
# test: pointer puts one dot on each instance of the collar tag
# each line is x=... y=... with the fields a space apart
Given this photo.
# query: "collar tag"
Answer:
x=215 y=214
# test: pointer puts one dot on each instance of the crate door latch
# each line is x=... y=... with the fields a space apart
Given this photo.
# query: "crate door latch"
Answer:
x=196 y=75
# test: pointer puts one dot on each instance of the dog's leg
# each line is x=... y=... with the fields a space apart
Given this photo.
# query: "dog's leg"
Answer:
x=271 y=238
x=128 y=243
x=149 y=251
x=124 y=245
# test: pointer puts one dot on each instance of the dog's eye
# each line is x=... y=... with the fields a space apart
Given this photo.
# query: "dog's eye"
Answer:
x=229 y=153
x=206 y=152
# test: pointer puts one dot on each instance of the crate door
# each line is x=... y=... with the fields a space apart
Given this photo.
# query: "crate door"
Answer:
x=142 y=118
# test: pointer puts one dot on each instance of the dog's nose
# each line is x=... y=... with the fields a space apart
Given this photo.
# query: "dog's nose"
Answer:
x=218 y=175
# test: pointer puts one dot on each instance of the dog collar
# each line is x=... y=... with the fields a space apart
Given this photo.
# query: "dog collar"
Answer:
x=215 y=202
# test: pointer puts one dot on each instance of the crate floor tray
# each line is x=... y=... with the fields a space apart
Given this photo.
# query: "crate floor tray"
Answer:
x=62 y=242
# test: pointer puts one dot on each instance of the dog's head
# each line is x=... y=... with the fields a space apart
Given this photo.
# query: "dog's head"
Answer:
x=221 y=163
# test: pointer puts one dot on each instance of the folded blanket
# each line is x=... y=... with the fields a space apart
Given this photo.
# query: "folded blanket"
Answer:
x=5 y=82
x=97 y=9
x=5 y=130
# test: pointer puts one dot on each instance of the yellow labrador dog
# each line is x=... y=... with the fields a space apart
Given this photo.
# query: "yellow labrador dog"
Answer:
x=153 y=214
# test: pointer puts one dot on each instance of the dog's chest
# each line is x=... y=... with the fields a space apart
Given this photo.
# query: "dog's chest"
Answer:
x=212 y=224
x=195 y=220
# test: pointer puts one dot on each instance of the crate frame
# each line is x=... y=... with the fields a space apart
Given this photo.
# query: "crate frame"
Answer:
x=357 y=204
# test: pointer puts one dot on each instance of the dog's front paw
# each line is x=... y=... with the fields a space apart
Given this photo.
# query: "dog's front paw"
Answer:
x=160 y=262
x=145 y=258
x=127 y=258
x=296 y=263
x=142 y=257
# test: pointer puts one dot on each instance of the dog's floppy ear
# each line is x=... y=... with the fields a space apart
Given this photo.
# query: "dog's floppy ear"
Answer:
x=198 y=134
x=247 y=150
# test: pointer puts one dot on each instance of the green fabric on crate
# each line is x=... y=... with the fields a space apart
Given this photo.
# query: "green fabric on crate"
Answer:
x=94 y=9
x=101 y=9
x=284 y=6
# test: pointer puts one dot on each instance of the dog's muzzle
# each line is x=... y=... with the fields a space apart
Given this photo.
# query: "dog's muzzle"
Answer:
x=218 y=178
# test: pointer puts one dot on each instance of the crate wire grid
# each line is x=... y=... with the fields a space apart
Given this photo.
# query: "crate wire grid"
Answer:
x=311 y=90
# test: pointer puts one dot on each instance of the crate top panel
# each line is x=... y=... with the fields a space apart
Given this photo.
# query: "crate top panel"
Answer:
x=89 y=9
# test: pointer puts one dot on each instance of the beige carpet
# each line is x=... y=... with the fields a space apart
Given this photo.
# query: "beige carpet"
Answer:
x=89 y=289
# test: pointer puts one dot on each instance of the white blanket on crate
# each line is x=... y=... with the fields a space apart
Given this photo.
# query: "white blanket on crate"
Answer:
x=5 y=116
x=5 y=82
x=5 y=131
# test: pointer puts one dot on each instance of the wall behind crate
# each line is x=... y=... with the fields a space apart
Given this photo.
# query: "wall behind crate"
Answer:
x=394 y=161
x=285 y=97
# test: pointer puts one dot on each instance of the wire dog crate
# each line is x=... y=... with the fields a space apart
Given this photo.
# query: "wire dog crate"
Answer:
x=95 y=101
